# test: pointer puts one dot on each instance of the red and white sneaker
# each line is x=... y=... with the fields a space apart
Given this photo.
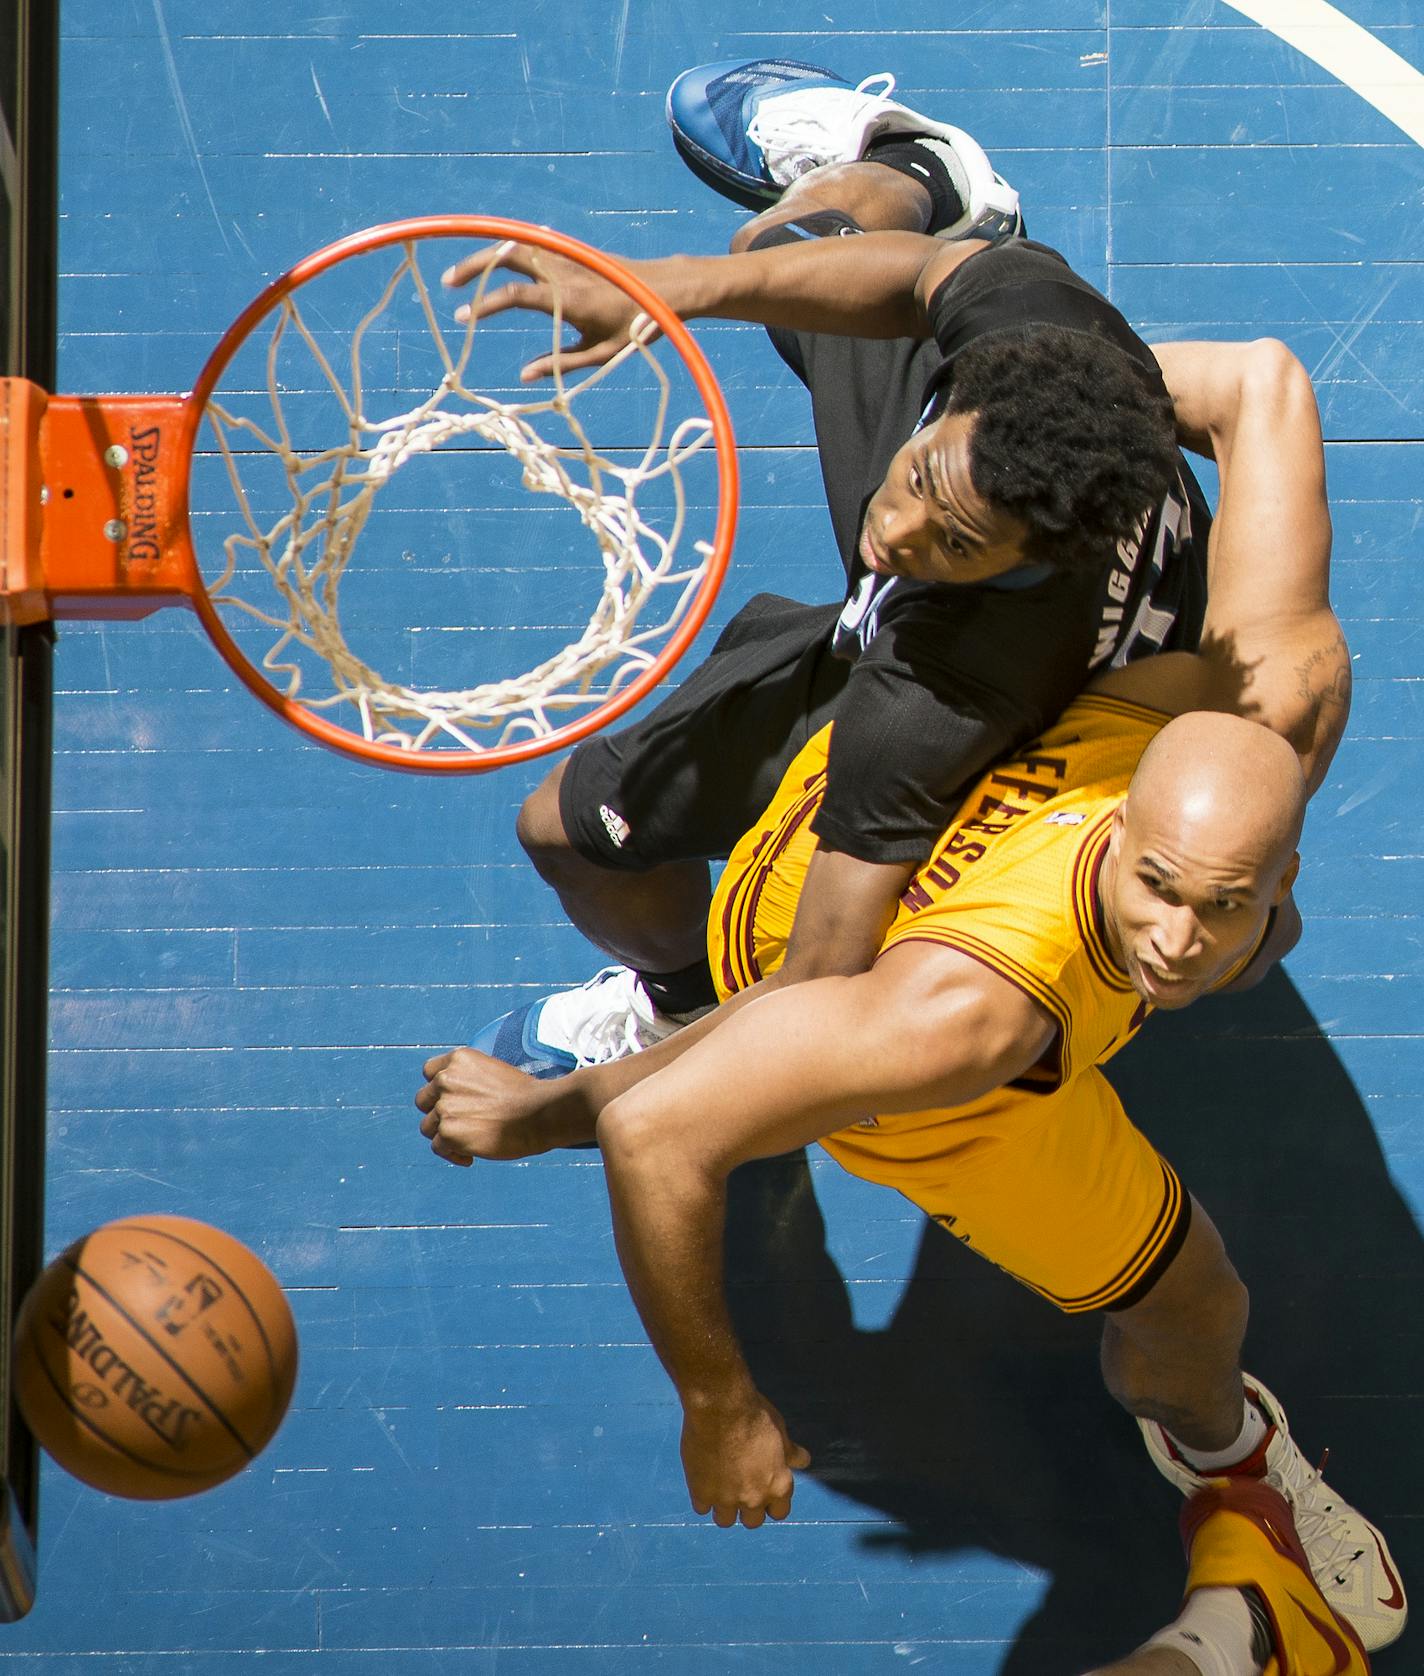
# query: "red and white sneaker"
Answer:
x=1238 y=1534
x=1349 y=1559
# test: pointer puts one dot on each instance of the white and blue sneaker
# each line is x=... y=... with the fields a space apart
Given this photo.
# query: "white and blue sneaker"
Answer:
x=749 y=127
x=606 y=1018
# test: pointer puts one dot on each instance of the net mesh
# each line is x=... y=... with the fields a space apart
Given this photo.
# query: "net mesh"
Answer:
x=648 y=580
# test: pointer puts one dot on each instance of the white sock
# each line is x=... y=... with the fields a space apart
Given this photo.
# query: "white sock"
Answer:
x=1253 y=1428
x=1214 y=1631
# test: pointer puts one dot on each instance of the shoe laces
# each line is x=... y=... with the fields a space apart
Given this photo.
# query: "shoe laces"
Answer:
x=614 y=1028
x=788 y=128
x=1324 y=1530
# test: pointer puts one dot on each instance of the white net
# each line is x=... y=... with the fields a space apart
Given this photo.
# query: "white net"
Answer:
x=302 y=536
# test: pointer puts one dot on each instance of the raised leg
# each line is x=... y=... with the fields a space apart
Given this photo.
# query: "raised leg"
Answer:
x=876 y=198
x=654 y=921
x=1175 y=1357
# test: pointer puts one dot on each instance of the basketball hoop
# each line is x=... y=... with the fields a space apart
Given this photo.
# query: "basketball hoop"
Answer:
x=256 y=500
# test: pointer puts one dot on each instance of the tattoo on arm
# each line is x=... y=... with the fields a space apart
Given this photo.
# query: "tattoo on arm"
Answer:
x=1324 y=677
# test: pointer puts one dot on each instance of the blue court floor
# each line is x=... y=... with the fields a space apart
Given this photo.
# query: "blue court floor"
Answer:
x=257 y=943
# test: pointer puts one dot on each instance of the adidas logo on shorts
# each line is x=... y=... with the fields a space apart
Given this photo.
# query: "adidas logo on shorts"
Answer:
x=619 y=831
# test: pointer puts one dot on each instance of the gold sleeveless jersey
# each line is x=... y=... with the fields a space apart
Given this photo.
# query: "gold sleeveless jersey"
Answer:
x=1012 y=882
x=1047 y=1177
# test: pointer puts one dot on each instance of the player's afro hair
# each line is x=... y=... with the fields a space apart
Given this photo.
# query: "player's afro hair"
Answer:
x=1070 y=435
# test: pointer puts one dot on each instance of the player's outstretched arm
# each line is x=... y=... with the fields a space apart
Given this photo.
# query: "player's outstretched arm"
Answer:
x=788 y=1068
x=477 y=1107
x=875 y=285
x=1272 y=646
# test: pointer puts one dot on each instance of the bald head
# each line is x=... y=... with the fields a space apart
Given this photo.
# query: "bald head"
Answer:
x=1222 y=784
x=1203 y=846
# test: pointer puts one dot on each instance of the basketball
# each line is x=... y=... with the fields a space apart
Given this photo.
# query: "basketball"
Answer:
x=155 y=1357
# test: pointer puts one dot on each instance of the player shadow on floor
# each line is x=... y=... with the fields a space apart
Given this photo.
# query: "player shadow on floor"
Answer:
x=977 y=1418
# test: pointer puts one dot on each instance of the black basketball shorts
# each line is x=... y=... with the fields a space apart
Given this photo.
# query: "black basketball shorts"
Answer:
x=686 y=782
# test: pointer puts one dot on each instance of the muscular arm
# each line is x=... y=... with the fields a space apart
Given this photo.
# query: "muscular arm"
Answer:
x=925 y=1027
x=845 y=909
x=1272 y=646
x=876 y=285
x=478 y=1108
x=786 y=1069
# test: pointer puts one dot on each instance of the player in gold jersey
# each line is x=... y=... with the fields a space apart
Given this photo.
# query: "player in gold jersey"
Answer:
x=1126 y=860
x=1044 y=1174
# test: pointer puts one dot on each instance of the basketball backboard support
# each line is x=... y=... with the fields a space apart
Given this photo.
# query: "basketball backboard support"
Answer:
x=29 y=43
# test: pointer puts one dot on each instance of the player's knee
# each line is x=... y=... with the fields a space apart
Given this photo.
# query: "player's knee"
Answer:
x=822 y=203
x=750 y=231
x=1171 y=1357
x=1207 y=1321
x=631 y=1136
x=1199 y=1299
x=539 y=826
x=1228 y=1308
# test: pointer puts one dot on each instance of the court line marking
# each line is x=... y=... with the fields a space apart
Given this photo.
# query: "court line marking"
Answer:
x=1349 y=52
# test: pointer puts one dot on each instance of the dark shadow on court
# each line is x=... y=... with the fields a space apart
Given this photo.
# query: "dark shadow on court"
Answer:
x=978 y=1418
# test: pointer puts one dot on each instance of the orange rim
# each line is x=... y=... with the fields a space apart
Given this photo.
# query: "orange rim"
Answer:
x=496 y=228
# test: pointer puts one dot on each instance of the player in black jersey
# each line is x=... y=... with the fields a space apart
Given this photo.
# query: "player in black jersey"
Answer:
x=1006 y=495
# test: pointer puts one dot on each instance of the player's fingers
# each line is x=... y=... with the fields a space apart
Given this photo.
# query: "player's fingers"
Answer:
x=430 y=1125
x=725 y=1517
x=753 y=1517
x=505 y=254
x=779 y=1506
x=797 y=1456
x=433 y=1067
x=451 y=1154
x=570 y=360
x=426 y=1098
x=504 y=297
x=780 y=1491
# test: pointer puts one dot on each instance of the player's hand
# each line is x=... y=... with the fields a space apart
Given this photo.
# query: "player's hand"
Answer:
x=739 y=1466
x=598 y=310
x=478 y=1107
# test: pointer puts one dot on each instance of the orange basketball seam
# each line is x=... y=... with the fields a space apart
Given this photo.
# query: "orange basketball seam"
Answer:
x=162 y=1354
